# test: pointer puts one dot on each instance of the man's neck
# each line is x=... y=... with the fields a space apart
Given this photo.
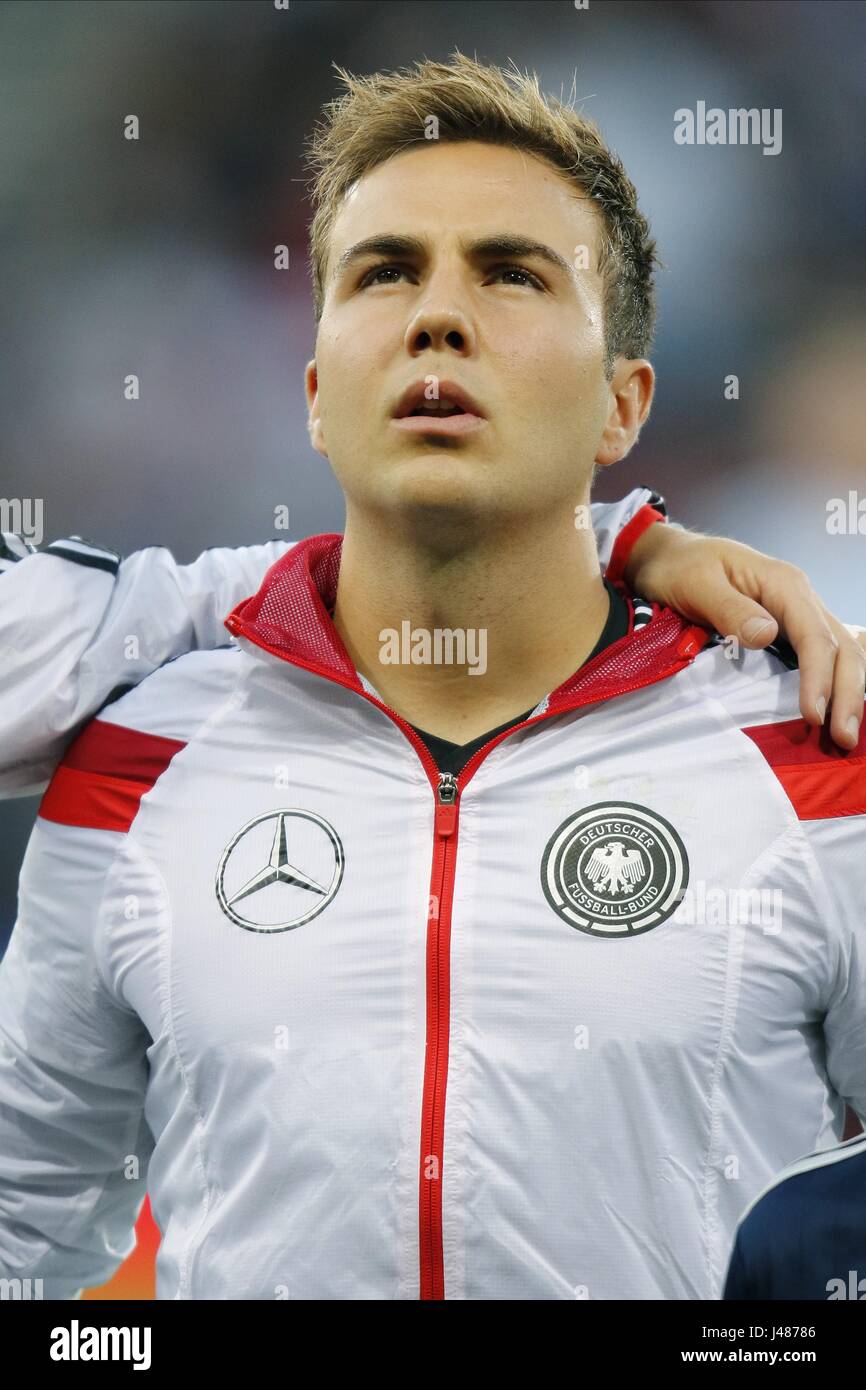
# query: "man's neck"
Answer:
x=530 y=606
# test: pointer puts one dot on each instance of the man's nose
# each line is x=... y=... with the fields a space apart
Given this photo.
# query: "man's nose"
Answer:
x=441 y=320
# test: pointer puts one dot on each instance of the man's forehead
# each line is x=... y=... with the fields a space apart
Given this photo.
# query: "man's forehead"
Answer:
x=410 y=186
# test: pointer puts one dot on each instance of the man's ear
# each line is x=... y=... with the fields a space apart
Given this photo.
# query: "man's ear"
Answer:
x=314 y=419
x=630 y=396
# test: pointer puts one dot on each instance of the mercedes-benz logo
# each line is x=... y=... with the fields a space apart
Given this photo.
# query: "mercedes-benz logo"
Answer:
x=256 y=869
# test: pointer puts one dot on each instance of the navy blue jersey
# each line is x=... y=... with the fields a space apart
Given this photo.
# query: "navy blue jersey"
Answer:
x=805 y=1236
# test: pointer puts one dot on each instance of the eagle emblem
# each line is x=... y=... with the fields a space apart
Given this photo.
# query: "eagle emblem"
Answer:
x=615 y=869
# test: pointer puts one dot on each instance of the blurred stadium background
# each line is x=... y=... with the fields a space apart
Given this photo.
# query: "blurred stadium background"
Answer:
x=156 y=256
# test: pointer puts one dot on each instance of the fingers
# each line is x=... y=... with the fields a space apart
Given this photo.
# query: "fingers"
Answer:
x=754 y=626
x=807 y=626
x=786 y=592
x=744 y=594
x=730 y=611
x=711 y=598
x=719 y=605
x=849 y=682
x=832 y=661
x=831 y=658
x=817 y=650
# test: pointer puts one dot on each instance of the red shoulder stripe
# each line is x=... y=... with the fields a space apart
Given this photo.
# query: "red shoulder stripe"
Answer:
x=820 y=779
x=105 y=773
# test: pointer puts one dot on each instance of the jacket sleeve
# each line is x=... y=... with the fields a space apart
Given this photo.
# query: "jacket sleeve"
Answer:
x=839 y=844
x=617 y=525
x=74 y=1143
x=79 y=626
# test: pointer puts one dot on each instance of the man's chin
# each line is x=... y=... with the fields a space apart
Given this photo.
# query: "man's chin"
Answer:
x=439 y=479
x=442 y=514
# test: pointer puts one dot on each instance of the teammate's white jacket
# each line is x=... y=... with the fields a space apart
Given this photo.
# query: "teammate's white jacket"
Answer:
x=77 y=622
x=395 y=1035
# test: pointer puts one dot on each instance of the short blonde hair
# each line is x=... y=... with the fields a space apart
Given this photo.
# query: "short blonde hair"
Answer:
x=384 y=114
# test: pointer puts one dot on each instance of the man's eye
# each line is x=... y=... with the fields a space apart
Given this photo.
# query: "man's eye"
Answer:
x=519 y=270
x=372 y=276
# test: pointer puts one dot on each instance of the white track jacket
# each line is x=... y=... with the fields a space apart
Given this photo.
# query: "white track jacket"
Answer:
x=365 y=1031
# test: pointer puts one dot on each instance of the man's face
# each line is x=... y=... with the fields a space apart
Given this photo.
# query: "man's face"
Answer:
x=521 y=333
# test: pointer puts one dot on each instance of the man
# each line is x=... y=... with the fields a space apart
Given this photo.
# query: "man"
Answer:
x=400 y=949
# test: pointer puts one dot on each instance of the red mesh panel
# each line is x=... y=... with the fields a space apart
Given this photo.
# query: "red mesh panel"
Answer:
x=667 y=642
x=289 y=615
x=290 y=611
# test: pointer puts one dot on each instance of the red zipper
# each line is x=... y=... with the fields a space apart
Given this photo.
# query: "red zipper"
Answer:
x=438 y=961
x=432 y=1274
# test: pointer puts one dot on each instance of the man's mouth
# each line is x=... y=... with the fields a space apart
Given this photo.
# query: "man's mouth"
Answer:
x=451 y=398
x=453 y=412
x=432 y=422
x=439 y=408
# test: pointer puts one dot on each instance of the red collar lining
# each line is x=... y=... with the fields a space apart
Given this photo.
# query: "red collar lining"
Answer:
x=289 y=616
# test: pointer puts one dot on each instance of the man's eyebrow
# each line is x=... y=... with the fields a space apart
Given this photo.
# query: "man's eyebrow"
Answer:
x=502 y=244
